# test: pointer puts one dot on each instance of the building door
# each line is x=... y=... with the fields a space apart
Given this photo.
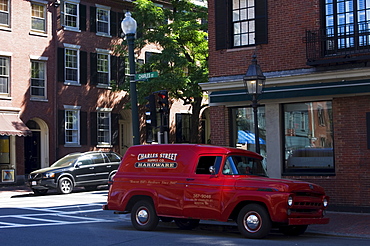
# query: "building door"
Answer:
x=32 y=152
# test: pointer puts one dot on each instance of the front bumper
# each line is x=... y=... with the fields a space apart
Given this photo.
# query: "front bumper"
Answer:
x=42 y=184
x=307 y=221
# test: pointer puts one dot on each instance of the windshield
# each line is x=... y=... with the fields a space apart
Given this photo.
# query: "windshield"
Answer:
x=243 y=165
x=65 y=161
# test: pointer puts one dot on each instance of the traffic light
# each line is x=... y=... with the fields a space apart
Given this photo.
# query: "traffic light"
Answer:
x=163 y=101
x=151 y=115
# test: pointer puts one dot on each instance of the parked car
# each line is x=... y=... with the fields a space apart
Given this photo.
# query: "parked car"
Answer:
x=87 y=169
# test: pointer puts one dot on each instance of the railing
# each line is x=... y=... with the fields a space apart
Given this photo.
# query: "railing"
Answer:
x=344 y=43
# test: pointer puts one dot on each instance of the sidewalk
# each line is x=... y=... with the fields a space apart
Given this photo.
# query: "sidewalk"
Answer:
x=343 y=224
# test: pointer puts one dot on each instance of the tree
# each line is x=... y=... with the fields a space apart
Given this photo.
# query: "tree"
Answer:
x=182 y=59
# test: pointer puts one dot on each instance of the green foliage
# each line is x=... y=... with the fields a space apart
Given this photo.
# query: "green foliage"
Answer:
x=181 y=34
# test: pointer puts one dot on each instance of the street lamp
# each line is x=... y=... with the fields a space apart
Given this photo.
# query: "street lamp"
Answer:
x=129 y=26
x=254 y=80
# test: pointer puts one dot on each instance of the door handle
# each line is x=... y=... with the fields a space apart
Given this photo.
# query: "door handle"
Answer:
x=91 y=168
x=109 y=166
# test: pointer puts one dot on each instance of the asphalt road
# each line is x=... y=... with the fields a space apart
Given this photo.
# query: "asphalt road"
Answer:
x=77 y=219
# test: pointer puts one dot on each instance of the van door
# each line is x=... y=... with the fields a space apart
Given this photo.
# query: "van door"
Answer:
x=202 y=196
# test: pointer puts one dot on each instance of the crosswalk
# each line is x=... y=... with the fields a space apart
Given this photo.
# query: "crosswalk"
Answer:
x=51 y=216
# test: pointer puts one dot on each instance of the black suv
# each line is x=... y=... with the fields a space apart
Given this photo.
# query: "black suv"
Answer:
x=88 y=169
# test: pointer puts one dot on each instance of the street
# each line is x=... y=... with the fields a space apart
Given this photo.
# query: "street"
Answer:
x=77 y=219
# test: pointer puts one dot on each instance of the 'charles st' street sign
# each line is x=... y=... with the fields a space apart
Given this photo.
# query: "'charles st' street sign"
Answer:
x=144 y=76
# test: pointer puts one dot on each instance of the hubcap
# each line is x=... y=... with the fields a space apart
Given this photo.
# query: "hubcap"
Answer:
x=142 y=216
x=252 y=222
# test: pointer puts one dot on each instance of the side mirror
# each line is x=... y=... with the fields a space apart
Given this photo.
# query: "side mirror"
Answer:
x=78 y=164
x=212 y=170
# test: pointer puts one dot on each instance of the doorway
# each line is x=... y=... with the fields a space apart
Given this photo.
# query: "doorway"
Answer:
x=32 y=152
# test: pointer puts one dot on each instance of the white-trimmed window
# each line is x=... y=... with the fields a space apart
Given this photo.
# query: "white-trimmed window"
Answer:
x=4 y=75
x=38 y=17
x=104 y=126
x=72 y=125
x=102 y=19
x=71 y=60
x=244 y=22
x=103 y=65
x=4 y=13
x=71 y=17
x=38 y=79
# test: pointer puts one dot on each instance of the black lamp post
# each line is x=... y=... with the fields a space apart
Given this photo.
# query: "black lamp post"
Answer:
x=254 y=81
x=129 y=26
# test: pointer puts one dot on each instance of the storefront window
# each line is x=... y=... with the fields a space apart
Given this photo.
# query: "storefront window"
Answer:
x=243 y=123
x=4 y=150
x=308 y=130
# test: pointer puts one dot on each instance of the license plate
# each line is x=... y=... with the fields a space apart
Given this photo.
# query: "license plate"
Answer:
x=33 y=183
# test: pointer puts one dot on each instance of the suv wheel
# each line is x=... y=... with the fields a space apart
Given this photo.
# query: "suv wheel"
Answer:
x=65 y=185
x=143 y=216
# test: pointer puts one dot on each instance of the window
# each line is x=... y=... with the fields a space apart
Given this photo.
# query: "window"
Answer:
x=38 y=17
x=4 y=149
x=243 y=165
x=4 y=13
x=247 y=25
x=347 y=23
x=244 y=22
x=104 y=127
x=182 y=128
x=71 y=65
x=103 y=65
x=72 y=120
x=243 y=123
x=38 y=79
x=71 y=15
x=308 y=141
x=205 y=162
x=102 y=21
x=4 y=76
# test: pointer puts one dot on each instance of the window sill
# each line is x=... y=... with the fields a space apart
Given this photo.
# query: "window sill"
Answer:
x=101 y=34
x=72 y=83
x=5 y=28
x=40 y=34
x=72 y=29
x=69 y=145
x=5 y=97
x=102 y=86
x=39 y=99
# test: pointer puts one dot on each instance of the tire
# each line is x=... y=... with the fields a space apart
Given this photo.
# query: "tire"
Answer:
x=254 y=221
x=143 y=216
x=39 y=192
x=65 y=186
x=294 y=230
x=186 y=224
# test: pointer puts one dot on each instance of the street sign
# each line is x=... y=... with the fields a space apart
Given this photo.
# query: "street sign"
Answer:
x=144 y=76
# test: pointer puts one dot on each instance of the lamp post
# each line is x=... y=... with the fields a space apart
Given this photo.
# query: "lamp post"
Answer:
x=129 y=26
x=254 y=81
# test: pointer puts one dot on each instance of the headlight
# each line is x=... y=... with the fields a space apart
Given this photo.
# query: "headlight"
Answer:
x=325 y=202
x=290 y=201
x=49 y=175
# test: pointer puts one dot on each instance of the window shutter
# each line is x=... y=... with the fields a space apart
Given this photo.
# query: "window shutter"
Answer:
x=61 y=7
x=221 y=21
x=61 y=65
x=83 y=67
x=121 y=70
x=61 y=127
x=113 y=68
x=93 y=69
x=261 y=22
x=114 y=128
x=92 y=19
x=113 y=23
x=82 y=16
x=94 y=128
x=119 y=31
x=83 y=128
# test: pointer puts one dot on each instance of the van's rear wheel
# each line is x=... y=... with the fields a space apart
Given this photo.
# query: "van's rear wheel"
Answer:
x=143 y=216
x=186 y=224
x=254 y=221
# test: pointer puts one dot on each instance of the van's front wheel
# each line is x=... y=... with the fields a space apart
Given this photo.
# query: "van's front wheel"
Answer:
x=254 y=221
x=143 y=216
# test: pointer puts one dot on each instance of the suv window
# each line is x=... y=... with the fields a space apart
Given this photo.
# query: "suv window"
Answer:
x=113 y=157
x=85 y=160
x=97 y=158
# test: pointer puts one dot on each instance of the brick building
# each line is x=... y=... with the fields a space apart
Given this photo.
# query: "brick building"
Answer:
x=56 y=68
x=314 y=114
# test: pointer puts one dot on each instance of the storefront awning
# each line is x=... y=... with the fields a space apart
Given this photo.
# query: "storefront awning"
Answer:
x=11 y=125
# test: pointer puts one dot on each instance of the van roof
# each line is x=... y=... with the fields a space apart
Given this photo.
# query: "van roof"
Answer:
x=199 y=148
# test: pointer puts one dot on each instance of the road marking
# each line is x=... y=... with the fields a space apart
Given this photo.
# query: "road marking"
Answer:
x=62 y=217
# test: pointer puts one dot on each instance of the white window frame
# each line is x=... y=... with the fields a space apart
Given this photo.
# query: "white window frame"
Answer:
x=75 y=129
x=44 y=17
x=6 y=26
x=101 y=52
x=75 y=48
x=102 y=8
x=77 y=16
x=244 y=22
x=5 y=73
x=106 y=113
x=43 y=61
